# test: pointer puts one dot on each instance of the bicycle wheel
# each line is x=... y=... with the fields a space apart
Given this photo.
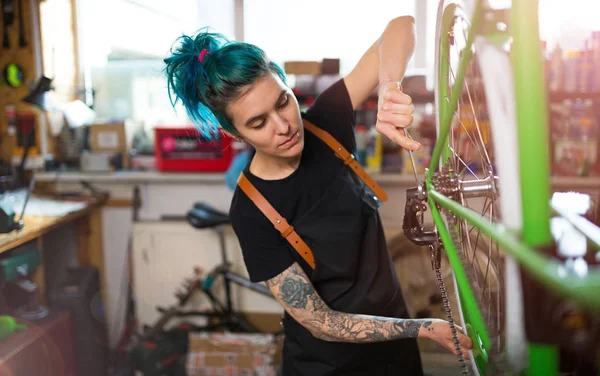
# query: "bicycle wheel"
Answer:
x=479 y=162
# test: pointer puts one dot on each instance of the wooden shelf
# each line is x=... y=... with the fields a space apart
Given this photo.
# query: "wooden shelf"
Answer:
x=561 y=96
x=132 y=177
x=429 y=97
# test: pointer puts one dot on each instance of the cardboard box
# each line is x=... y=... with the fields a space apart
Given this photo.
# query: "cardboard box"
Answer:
x=302 y=67
x=330 y=66
x=110 y=138
x=232 y=354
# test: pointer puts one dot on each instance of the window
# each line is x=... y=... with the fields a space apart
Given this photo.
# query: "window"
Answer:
x=568 y=24
x=122 y=43
x=122 y=47
x=317 y=29
x=59 y=49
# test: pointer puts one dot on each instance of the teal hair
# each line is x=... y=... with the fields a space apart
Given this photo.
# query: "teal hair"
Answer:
x=206 y=88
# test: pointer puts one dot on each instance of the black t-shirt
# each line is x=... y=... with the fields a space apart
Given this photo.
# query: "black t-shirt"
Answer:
x=266 y=253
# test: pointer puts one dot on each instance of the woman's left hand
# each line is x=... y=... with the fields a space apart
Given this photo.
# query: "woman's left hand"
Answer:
x=394 y=113
x=441 y=332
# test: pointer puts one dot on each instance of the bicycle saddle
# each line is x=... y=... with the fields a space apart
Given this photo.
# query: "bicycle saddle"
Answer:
x=203 y=216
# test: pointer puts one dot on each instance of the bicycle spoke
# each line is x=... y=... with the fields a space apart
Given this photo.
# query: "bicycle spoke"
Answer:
x=471 y=159
x=487 y=267
x=463 y=162
x=475 y=117
x=487 y=157
x=457 y=114
x=470 y=137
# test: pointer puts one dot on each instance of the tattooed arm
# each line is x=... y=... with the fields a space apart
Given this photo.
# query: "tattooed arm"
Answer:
x=296 y=294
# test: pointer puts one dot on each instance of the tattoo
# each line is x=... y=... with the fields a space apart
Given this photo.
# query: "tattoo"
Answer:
x=298 y=296
x=411 y=328
x=427 y=325
x=294 y=292
x=317 y=303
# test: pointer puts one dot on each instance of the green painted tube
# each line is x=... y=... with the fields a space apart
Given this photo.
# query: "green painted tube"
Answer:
x=544 y=360
x=470 y=310
x=532 y=120
x=582 y=289
x=532 y=123
x=448 y=115
x=442 y=90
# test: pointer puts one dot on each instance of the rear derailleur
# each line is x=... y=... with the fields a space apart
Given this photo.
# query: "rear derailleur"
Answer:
x=412 y=223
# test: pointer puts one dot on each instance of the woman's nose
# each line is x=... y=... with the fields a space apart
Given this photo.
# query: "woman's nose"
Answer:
x=282 y=125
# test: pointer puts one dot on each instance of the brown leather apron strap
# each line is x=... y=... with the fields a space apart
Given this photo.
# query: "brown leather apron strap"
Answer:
x=348 y=159
x=280 y=223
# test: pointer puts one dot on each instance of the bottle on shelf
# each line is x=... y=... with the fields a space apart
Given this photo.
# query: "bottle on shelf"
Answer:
x=361 y=136
x=576 y=139
x=556 y=74
x=595 y=44
x=585 y=69
x=374 y=151
x=564 y=159
x=589 y=138
x=571 y=78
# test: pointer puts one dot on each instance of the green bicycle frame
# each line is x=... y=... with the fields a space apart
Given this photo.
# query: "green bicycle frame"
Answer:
x=530 y=96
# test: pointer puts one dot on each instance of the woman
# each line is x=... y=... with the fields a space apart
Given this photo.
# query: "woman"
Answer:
x=331 y=272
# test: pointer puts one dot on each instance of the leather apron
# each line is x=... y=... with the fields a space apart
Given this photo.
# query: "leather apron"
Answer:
x=353 y=273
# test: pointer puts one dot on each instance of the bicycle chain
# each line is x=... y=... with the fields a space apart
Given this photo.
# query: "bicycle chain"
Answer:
x=448 y=185
x=436 y=263
x=495 y=363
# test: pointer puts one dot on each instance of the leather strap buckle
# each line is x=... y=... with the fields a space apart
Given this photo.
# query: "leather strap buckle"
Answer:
x=349 y=159
x=288 y=231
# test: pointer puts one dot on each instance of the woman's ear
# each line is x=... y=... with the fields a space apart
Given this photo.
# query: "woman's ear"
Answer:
x=235 y=137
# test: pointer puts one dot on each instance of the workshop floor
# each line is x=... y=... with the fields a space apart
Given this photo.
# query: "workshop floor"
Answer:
x=437 y=361
x=436 y=364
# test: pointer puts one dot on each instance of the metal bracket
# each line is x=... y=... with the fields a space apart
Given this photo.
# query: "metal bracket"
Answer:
x=412 y=226
x=495 y=25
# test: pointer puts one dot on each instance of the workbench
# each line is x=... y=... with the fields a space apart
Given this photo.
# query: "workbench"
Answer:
x=81 y=228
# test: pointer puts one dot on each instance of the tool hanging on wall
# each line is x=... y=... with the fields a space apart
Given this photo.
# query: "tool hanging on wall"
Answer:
x=11 y=119
x=8 y=217
x=8 y=18
x=22 y=41
x=13 y=75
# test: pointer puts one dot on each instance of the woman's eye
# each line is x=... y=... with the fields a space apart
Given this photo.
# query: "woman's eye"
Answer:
x=287 y=100
x=259 y=125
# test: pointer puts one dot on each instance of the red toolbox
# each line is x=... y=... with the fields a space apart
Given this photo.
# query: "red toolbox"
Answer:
x=185 y=149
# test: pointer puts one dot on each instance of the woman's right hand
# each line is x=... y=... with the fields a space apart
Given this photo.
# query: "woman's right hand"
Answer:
x=394 y=113
x=441 y=332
